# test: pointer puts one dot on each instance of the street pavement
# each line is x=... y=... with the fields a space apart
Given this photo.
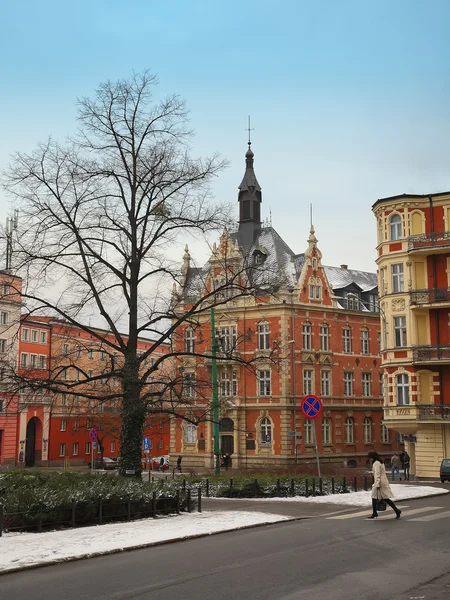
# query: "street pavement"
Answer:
x=332 y=554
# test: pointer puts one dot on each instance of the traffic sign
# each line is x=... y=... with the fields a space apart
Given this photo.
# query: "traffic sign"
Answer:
x=93 y=435
x=267 y=438
x=311 y=406
x=94 y=444
x=291 y=433
x=146 y=444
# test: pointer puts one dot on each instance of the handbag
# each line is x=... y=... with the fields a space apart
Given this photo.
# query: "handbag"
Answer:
x=381 y=503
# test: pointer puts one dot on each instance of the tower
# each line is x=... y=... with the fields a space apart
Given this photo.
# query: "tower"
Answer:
x=249 y=199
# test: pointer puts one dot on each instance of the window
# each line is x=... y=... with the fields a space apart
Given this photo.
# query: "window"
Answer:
x=102 y=355
x=3 y=317
x=2 y=345
x=226 y=338
x=78 y=352
x=325 y=383
x=77 y=375
x=381 y=384
x=314 y=292
x=42 y=361
x=190 y=433
x=352 y=301
x=75 y=449
x=398 y=284
x=307 y=336
x=161 y=424
x=349 y=431
x=326 y=431
x=6 y=289
x=2 y=405
x=62 y=450
x=379 y=341
x=65 y=350
x=90 y=354
x=366 y=384
x=88 y=424
x=25 y=334
x=24 y=360
x=384 y=434
x=90 y=374
x=190 y=340
x=373 y=303
x=367 y=430
x=308 y=382
x=34 y=336
x=228 y=383
x=63 y=425
x=265 y=429
x=264 y=383
x=380 y=230
x=324 y=338
x=33 y=361
x=87 y=448
x=43 y=337
x=263 y=336
x=65 y=374
x=400 y=332
x=347 y=339
x=395 y=225
x=308 y=432
x=348 y=383
x=364 y=341
x=2 y=374
x=189 y=385
x=76 y=425
x=161 y=443
x=402 y=386
x=113 y=446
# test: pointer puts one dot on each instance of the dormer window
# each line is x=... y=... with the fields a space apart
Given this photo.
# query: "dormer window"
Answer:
x=258 y=257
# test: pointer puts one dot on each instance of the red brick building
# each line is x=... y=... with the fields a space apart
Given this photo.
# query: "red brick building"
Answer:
x=307 y=329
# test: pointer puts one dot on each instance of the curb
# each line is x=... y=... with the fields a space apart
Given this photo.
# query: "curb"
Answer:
x=58 y=561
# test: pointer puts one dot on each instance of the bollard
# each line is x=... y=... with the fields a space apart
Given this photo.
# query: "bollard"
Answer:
x=207 y=488
x=321 y=486
x=307 y=487
x=365 y=483
x=292 y=487
x=189 y=508
x=199 y=499
x=100 y=510
x=178 y=502
x=255 y=485
x=344 y=484
x=355 y=484
x=314 y=486
x=231 y=488
x=2 y=518
x=73 y=508
x=332 y=486
x=278 y=485
x=129 y=509
x=154 y=505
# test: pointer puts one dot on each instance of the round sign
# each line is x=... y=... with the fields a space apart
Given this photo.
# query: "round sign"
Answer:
x=311 y=406
x=93 y=434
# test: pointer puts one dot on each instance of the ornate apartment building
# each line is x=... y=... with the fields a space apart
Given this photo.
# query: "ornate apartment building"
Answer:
x=414 y=271
x=307 y=328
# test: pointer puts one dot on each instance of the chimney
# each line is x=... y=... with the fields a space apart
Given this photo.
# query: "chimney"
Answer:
x=344 y=266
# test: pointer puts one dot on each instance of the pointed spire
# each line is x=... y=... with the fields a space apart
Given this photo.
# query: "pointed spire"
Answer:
x=249 y=181
x=312 y=249
x=186 y=261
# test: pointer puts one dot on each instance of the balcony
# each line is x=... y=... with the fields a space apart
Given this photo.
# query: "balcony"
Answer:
x=439 y=296
x=436 y=242
x=407 y=419
x=433 y=412
x=431 y=354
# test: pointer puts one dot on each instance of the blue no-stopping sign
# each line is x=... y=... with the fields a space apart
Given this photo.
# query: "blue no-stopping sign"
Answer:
x=311 y=406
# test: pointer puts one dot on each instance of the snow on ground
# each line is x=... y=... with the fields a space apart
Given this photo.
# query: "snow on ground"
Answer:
x=401 y=492
x=28 y=549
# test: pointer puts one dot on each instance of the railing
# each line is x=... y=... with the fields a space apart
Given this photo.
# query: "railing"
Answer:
x=423 y=354
x=431 y=296
x=434 y=411
x=428 y=240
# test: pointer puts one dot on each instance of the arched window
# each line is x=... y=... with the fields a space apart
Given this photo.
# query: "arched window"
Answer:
x=226 y=425
x=190 y=433
x=190 y=339
x=367 y=430
x=326 y=431
x=308 y=432
x=265 y=429
x=384 y=434
x=395 y=225
x=351 y=464
x=349 y=431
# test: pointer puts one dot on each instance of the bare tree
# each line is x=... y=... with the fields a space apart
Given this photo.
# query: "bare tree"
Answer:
x=99 y=218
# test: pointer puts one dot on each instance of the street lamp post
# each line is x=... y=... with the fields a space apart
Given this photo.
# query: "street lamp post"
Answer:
x=215 y=395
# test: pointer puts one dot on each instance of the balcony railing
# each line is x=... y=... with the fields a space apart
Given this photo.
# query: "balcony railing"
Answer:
x=429 y=240
x=431 y=296
x=433 y=411
x=424 y=354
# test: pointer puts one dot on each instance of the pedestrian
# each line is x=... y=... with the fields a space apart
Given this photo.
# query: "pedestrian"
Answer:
x=395 y=466
x=381 y=489
x=226 y=461
x=179 y=459
x=161 y=464
x=406 y=464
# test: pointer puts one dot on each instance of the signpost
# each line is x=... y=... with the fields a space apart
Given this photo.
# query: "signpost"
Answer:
x=146 y=444
x=311 y=406
x=93 y=437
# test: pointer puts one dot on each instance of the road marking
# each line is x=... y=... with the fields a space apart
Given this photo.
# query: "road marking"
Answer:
x=358 y=514
x=434 y=517
x=416 y=511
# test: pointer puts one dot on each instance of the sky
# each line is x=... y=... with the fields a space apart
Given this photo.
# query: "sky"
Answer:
x=348 y=99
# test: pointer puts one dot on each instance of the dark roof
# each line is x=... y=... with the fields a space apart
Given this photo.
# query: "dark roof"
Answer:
x=399 y=196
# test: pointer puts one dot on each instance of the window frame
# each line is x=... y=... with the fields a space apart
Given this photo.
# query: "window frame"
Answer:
x=189 y=340
x=395 y=228
x=190 y=433
x=366 y=384
x=264 y=382
x=308 y=432
x=402 y=389
x=325 y=382
x=347 y=340
x=398 y=278
x=365 y=342
x=265 y=429
x=400 y=332
x=349 y=384
x=367 y=430
x=324 y=335
x=308 y=382
x=327 y=431
x=263 y=335
x=307 y=336
x=349 y=427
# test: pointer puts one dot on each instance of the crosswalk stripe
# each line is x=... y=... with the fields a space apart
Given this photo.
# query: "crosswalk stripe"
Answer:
x=358 y=514
x=414 y=511
x=433 y=517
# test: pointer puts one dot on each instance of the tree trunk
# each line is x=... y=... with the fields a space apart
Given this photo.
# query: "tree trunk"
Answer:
x=133 y=420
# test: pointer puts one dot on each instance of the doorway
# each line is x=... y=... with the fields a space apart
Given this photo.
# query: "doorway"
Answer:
x=30 y=446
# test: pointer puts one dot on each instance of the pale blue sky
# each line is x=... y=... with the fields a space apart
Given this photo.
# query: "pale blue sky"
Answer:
x=349 y=99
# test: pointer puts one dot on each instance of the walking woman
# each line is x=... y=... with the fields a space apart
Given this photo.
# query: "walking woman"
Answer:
x=381 y=489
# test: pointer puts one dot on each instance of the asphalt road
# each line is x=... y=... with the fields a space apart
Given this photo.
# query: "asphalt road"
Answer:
x=327 y=557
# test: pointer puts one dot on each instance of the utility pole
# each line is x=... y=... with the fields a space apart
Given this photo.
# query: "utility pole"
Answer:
x=215 y=395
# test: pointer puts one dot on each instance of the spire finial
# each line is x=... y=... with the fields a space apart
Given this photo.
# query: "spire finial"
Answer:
x=249 y=129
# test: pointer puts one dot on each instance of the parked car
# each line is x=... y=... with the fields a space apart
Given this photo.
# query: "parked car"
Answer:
x=156 y=463
x=444 y=471
x=107 y=464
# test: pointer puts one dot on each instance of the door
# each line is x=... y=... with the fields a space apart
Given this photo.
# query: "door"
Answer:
x=227 y=445
x=30 y=447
